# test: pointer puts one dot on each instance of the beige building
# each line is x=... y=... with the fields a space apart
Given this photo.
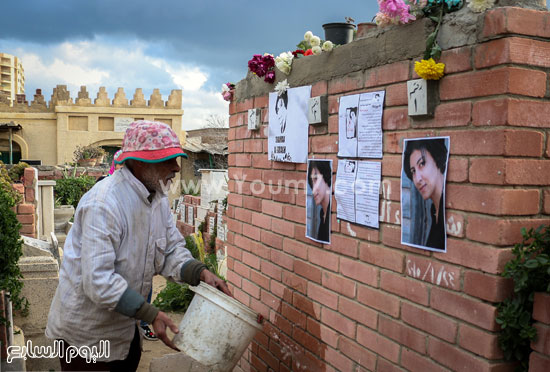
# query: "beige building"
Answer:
x=51 y=131
x=12 y=76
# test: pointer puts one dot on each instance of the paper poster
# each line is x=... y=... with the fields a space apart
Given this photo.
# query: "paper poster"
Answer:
x=360 y=125
x=319 y=196
x=356 y=191
x=190 y=214
x=288 y=125
x=423 y=178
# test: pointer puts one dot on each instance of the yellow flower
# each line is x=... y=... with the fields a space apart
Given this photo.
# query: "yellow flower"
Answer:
x=429 y=69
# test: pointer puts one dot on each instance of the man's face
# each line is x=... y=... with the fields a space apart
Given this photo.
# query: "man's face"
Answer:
x=158 y=176
x=425 y=174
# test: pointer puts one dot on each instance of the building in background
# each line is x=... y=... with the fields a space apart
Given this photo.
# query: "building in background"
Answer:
x=12 y=76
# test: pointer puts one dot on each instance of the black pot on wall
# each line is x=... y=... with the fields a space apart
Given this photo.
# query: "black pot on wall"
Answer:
x=339 y=33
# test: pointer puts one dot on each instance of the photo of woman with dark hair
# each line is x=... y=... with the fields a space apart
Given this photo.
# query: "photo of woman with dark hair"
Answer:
x=351 y=122
x=319 y=192
x=423 y=206
x=281 y=110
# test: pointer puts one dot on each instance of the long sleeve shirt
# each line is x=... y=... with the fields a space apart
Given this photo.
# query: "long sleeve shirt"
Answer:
x=118 y=241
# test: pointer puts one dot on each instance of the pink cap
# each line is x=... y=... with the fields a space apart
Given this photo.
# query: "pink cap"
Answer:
x=150 y=142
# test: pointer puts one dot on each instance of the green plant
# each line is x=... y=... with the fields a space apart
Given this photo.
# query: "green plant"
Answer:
x=530 y=270
x=174 y=297
x=69 y=190
x=88 y=152
x=16 y=172
x=5 y=185
x=10 y=252
x=212 y=242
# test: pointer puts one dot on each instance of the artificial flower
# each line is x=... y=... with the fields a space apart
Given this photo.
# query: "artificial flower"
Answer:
x=327 y=46
x=262 y=65
x=393 y=12
x=227 y=91
x=308 y=35
x=308 y=52
x=479 y=6
x=316 y=50
x=315 y=41
x=429 y=69
x=281 y=87
x=270 y=77
x=298 y=52
x=284 y=62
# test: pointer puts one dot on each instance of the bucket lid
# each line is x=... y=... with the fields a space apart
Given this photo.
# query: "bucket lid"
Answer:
x=227 y=303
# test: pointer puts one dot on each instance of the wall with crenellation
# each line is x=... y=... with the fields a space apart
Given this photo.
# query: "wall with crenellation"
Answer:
x=366 y=302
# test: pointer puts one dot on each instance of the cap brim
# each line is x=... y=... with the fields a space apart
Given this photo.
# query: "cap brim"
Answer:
x=152 y=156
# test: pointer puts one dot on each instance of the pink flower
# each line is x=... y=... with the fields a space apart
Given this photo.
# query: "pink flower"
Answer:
x=270 y=77
x=393 y=12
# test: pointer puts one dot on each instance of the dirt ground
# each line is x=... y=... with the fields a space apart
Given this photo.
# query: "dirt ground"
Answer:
x=155 y=349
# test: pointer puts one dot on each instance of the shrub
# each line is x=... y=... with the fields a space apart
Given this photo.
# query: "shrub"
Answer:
x=68 y=191
x=16 y=172
x=88 y=152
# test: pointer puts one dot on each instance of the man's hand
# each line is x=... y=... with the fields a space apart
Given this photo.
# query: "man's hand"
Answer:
x=159 y=325
x=214 y=281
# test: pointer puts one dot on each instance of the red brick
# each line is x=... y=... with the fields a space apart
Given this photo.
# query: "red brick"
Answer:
x=272 y=208
x=243 y=160
x=323 y=144
x=390 y=212
x=539 y=363
x=261 y=101
x=357 y=312
x=27 y=229
x=396 y=95
x=341 y=324
x=387 y=74
x=456 y=359
x=527 y=172
x=479 y=342
x=306 y=305
x=541 y=306
x=284 y=228
x=505 y=80
x=514 y=20
x=253 y=203
x=320 y=88
x=272 y=240
x=452 y=114
x=430 y=322
x=243 y=215
x=308 y=271
x=467 y=309
x=377 y=343
x=394 y=140
x=456 y=60
x=391 y=166
x=359 y=271
x=378 y=300
x=381 y=256
x=475 y=256
x=339 y=284
x=237 y=120
x=408 y=288
x=360 y=232
x=260 y=161
x=271 y=270
x=250 y=231
x=352 y=81
x=251 y=260
x=252 y=175
x=261 y=220
x=403 y=334
x=295 y=248
x=498 y=231
x=25 y=209
x=487 y=287
x=455 y=224
x=322 y=332
x=546 y=202
x=281 y=291
x=434 y=272
x=513 y=50
x=242 y=270
x=333 y=124
x=245 y=105
x=507 y=111
x=344 y=245
x=323 y=258
x=19 y=187
x=241 y=296
x=306 y=340
x=28 y=177
x=487 y=170
x=253 y=145
x=25 y=218
x=323 y=296
x=416 y=363
x=391 y=237
x=295 y=214
x=495 y=201
x=542 y=342
x=235 y=146
x=295 y=282
x=235 y=200
x=270 y=300
x=250 y=288
x=395 y=119
x=357 y=353
x=259 y=279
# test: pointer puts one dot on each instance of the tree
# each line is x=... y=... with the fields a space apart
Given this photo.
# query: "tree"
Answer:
x=216 y=121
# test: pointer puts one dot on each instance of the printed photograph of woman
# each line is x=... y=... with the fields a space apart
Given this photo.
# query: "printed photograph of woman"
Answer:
x=319 y=195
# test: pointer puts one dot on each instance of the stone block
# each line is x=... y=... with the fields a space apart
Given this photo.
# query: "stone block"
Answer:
x=177 y=362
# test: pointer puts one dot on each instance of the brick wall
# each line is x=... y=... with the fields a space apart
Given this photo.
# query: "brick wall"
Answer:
x=26 y=209
x=366 y=302
x=540 y=357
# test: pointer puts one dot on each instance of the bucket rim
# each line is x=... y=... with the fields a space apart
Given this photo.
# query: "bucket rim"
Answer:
x=339 y=24
x=206 y=290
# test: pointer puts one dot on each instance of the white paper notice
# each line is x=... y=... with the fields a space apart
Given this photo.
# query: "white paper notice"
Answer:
x=357 y=191
x=360 y=125
x=288 y=125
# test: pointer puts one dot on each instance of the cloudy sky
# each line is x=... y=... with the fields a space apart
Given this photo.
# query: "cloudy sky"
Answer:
x=167 y=44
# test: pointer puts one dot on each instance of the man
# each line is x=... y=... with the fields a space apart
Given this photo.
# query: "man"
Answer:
x=123 y=234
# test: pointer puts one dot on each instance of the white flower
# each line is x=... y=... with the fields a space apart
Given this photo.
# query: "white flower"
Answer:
x=225 y=88
x=284 y=62
x=316 y=50
x=327 y=46
x=281 y=87
x=315 y=41
x=308 y=36
x=479 y=6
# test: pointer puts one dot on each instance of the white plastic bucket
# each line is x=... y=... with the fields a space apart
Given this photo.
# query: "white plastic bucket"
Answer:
x=216 y=329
